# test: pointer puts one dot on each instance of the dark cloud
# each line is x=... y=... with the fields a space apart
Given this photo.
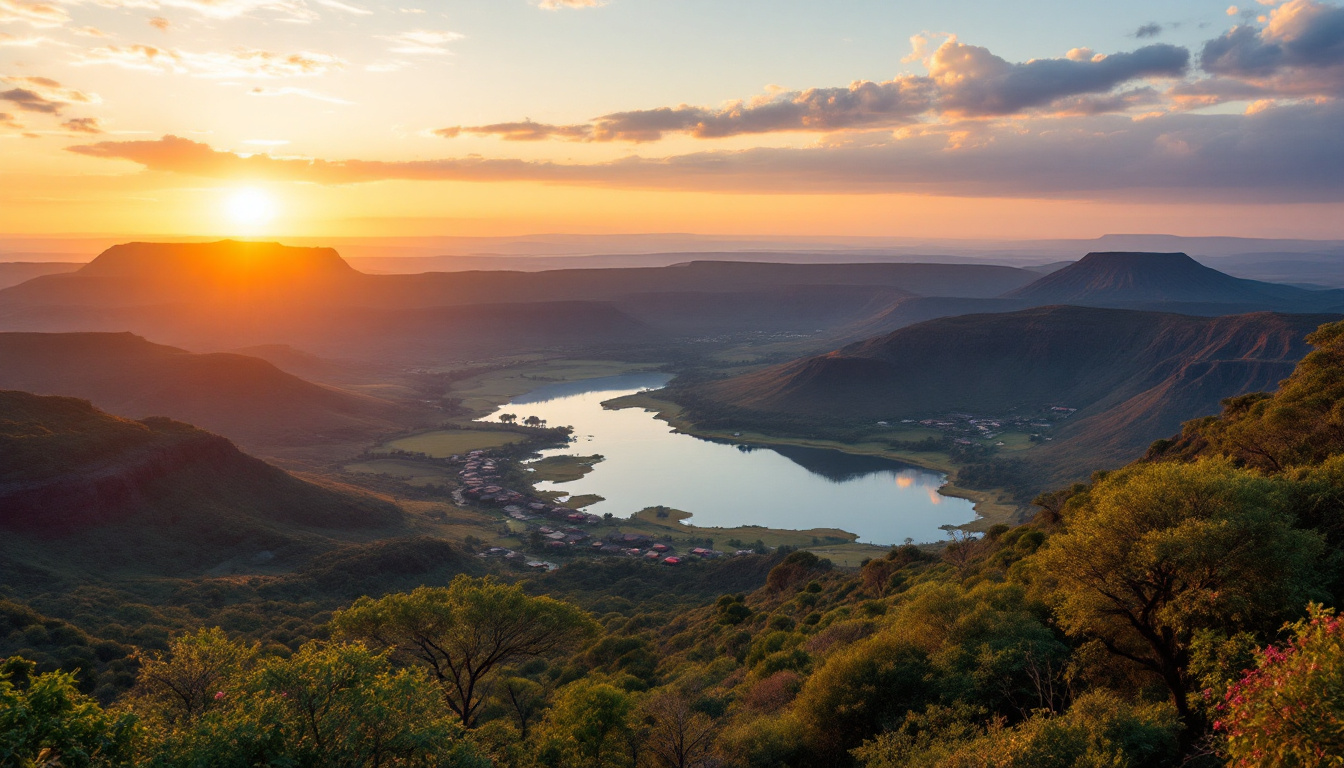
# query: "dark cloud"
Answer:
x=1284 y=154
x=29 y=100
x=1300 y=51
x=1148 y=30
x=42 y=94
x=976 y=82
x=83 y=125
x=963 y=80
x=524 y=131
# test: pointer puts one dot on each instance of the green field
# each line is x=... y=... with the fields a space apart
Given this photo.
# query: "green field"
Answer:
x=410 y=472
x=442 y=443
x=561 y=469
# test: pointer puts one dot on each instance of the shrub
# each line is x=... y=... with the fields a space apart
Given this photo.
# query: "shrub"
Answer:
x=1289 y=710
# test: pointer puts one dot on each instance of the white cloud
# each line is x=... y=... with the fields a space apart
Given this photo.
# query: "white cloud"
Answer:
x=36 y=13
x=555 y=5
x=422 y=42
x=239 y=63
x=301 y=92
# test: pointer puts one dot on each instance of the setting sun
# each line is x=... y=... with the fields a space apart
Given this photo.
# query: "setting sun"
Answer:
x=250 y=208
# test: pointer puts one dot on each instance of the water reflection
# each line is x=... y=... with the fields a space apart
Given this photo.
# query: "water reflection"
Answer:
x=726 y=484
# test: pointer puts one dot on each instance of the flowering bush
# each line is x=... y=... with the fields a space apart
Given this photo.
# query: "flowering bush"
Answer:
x=1289 y=710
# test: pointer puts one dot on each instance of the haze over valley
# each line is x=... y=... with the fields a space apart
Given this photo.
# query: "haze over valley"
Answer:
x=623 y=384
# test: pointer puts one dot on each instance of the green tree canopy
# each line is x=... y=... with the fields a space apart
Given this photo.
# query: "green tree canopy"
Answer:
x=46 y=721
x=463 y=633
x=588 y=726
x=1158 y=552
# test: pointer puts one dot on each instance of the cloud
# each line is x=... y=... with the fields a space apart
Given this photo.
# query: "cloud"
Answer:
x=239 y=63
x=160 y=23
x=83 y=125
x=302 y=92
x=42 y=94
x=35 y=13
x=1299 y=52
x=9 y=121
x=14 y=41
x=963 y=81
x=1280 y=154
x=555 y=5
x=1148 y=30
x=295 y=10
x=972 y=81
x=346 y=7
x=421 y=42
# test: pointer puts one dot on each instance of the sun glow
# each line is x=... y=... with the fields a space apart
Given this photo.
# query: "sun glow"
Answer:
x=250 y=208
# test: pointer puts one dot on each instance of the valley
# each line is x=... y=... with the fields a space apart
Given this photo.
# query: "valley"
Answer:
x=654 y=456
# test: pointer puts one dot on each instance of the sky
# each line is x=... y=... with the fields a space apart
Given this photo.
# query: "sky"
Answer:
x=955 y=118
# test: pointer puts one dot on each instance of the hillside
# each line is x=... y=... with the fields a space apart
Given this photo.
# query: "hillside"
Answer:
x=72 y=470
x=1132 y=376
x=227 y=295
x=243 y=398
x=15 y=272
x=1145 y=278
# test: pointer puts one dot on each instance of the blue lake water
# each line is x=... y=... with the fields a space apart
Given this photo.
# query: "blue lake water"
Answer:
x=724 y=484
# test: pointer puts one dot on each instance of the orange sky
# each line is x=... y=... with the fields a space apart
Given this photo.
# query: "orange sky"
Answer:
x=1047 y=119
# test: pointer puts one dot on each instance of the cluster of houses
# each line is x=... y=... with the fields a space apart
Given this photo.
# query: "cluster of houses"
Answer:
x=966 y=428
x=480 y=481
x=643 y=546
x=518 y=558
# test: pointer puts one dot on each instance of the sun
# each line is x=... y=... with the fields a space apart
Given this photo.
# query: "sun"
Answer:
x=250 y=208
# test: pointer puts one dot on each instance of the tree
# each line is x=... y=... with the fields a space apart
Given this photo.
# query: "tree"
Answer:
x=46 y=721
x=678 y=736
x=525 y=699
x=1159 y=552
x=463 y=633
x=197 y=672
x=587 y=726
x=533 y=421
x=1100 y=729
x=329 y=705
x=1289 y=710
x=343 y=705
x=508 y=418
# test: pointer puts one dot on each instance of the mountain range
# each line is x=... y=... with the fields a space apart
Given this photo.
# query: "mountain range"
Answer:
x=1130 y=377
x=244 y=398
x=177 y=494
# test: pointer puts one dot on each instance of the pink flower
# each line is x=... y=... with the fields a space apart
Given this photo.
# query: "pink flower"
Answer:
x=219 y=695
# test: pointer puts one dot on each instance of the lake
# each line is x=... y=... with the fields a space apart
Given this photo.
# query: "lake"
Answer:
x=724 y=484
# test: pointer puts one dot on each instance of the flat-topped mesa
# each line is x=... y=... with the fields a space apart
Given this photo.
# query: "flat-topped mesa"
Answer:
x=226 y=259
x=1123 y=276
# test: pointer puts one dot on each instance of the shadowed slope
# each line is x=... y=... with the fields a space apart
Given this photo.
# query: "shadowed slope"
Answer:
x=244 y=398
x=1133 y=376
x=1145 y=278
x=69 y=467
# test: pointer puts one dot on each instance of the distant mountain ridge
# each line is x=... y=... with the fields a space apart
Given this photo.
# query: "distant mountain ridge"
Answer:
x=1132 y=278
x=244 y=398
x=226 y=295
x=69 y=467
x=1132 y=376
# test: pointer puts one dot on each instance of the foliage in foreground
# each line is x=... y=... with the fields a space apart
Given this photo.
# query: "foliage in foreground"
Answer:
x=1116 y=630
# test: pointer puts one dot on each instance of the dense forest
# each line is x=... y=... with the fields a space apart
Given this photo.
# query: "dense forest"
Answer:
x=1177 y=611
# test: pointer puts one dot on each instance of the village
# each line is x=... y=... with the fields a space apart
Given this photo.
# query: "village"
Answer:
x=562 y=533
x=970 y=429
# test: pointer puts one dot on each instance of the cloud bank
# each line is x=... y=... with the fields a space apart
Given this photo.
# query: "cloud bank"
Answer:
x=1282 y=154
